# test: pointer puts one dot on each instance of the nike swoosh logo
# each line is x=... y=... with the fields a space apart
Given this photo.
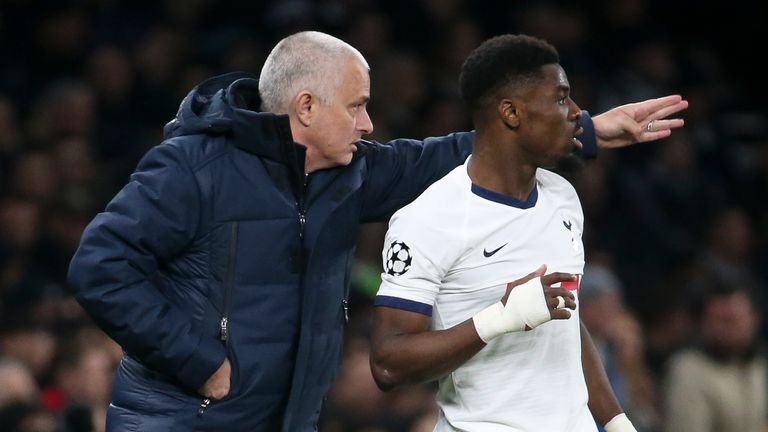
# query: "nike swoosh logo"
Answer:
x=490 y=254
x=567 y=225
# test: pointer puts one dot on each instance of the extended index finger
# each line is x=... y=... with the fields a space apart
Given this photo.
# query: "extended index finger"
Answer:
x=645 y=108
x=557 y=277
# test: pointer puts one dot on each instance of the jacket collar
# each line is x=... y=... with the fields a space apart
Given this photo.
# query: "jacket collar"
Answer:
x=261 y=133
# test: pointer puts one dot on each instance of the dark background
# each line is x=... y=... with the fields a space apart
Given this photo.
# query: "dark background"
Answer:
x=86 y=86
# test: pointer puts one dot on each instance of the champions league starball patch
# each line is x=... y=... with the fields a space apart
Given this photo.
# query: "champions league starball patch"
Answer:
x=398 y=259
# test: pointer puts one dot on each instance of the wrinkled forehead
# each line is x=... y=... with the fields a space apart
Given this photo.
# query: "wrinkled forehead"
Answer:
x=354 y=79
x=357 y=70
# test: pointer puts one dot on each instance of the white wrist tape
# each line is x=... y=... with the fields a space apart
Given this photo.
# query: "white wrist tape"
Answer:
x=620 y=423
x=525 y=305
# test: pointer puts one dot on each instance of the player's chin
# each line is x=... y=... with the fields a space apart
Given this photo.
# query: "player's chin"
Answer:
x=557 y=159
x=346 y=159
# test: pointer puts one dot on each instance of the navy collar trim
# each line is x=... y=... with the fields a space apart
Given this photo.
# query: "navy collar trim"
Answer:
x=507 y=200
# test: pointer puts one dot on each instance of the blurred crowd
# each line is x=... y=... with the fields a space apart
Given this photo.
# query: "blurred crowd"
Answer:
x=676 y=231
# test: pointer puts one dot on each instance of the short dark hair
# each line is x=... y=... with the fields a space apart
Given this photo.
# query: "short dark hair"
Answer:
x=502 y=60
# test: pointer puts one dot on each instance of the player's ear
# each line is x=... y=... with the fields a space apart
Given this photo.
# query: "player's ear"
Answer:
x=509 y=111
x=305 y=107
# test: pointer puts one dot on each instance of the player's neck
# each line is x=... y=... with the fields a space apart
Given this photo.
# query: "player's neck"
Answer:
x=501 y=172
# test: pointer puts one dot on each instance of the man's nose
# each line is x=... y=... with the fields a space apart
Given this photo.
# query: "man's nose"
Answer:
x=575 y=111
x=364 y=123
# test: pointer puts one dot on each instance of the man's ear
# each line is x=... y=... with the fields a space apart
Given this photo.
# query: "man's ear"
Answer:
x=509 y=111
x=305 y=106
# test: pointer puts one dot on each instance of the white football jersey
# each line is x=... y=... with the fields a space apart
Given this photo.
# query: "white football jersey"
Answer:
x=450 y=254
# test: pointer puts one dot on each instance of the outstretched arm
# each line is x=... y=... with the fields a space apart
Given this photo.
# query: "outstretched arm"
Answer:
x=629 y=124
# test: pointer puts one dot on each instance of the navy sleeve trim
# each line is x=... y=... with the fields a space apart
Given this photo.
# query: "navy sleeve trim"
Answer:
x=403 y=304
x=588 y=138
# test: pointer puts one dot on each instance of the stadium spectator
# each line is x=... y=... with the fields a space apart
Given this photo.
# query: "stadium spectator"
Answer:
x=721 y=383
x=18 y=384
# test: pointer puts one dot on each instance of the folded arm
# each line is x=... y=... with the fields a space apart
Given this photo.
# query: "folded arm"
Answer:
x=405 y=351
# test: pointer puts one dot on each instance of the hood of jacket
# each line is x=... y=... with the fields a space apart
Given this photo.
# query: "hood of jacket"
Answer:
x=230 y=104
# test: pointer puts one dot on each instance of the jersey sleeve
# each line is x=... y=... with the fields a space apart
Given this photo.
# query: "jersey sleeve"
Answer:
x=417 y=254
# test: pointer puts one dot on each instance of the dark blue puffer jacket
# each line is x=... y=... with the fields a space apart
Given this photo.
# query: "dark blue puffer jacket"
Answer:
x=219 y=246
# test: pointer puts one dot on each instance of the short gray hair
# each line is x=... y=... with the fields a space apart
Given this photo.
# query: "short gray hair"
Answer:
x=307 y=60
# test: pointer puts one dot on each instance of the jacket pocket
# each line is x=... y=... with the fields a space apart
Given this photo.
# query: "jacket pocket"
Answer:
x=224 y=325
x=147 y=392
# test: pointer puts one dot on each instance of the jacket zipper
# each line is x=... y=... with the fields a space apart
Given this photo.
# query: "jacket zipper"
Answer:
x=300 y=204
x=301 y=255
x=229 y=283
